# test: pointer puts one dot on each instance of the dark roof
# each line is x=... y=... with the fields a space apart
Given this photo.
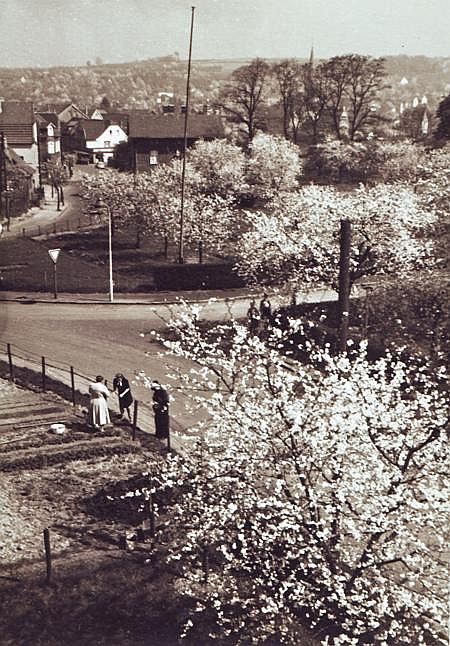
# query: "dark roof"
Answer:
x=116 y=116
x=16 y=122
x=168 y=126
x=58 y=108
x=49 y=117
x=93 y=128
x=17 y=112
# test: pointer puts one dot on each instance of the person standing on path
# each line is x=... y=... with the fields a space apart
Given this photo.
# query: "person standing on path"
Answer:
x=160 y=409
x=265 y=309
x=253 y=318
x=98 y=415
x=122 y=386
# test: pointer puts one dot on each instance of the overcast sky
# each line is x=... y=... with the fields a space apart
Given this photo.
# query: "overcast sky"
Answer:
x=70 y=32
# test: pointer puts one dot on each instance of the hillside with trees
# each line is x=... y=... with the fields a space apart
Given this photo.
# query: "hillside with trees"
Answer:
x=136 y=84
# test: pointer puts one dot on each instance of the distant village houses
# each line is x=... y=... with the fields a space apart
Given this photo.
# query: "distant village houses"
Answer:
x=18 y=126
x=157 y=138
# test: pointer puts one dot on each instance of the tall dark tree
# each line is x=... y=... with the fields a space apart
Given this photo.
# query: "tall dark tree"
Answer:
x=243 y=98
x=336 y=72
x=315 y=98
x=443 y=115
x=289 y=80
x=105 y=103
x=366 y=79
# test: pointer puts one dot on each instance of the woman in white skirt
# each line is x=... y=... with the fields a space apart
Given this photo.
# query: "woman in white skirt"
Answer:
x=98 y=415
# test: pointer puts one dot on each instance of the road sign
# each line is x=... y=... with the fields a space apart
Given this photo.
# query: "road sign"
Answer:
x=54 y=253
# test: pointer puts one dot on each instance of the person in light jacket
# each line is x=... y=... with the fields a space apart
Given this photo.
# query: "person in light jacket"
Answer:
x=98 y=414
x=121 y=385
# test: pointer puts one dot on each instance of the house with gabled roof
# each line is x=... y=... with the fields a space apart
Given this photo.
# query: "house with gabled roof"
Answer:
x=19 y=127
x=158 y=138
x=98 y=138
x=49 y=133
x=65 y=111
x=96 y=113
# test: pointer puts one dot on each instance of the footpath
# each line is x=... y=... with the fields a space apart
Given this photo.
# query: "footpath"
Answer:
x=46 y=214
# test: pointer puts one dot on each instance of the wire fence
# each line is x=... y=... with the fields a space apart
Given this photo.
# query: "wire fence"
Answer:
x=69 y=225
x=58 y=376
x=73 y=385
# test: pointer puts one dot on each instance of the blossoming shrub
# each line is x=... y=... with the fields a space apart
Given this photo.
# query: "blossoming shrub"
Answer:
x=296 y=239
x=315 y=500
x=273 y=165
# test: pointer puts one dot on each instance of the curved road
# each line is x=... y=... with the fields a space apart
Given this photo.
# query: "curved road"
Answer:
x=107 y=338
x=94 y=339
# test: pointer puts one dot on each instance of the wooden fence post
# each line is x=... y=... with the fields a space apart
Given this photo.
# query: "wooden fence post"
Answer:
x=72 y=384
x=168 y=436
x=10 y=361
x=205 y=563
x=43 y=375
x=48 y=554
x=150 y=513
x=135 y=417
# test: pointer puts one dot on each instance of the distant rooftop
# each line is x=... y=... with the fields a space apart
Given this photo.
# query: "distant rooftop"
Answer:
x=170 y=126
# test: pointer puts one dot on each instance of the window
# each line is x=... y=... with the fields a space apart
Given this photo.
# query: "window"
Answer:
x=51 y=147
x=153 y=157
x=107 y=144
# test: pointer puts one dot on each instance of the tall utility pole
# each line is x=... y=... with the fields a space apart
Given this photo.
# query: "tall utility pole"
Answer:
x=183 y=168
x=344 y=284
x=3 y=179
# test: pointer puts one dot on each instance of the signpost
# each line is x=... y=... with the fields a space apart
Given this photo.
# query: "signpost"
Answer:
x=54 y=253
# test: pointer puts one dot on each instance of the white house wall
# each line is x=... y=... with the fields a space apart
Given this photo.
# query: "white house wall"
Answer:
x=108 y=140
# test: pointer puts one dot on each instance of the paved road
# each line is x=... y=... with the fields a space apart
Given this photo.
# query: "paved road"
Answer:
x=94 y=339
x=102 y=338
x=107 y=338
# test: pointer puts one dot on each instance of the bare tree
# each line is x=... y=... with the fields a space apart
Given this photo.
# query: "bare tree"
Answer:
x=288 y=74
x=365 y=81
x=337 y=74
x=243 y=98
x=315 y=98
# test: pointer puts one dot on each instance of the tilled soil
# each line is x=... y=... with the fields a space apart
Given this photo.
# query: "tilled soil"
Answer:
x=47 y=479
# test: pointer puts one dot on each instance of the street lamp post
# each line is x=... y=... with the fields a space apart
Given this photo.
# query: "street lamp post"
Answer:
x=100 y=204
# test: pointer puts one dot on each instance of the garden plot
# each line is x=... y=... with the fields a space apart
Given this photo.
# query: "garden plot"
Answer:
x=46 y=476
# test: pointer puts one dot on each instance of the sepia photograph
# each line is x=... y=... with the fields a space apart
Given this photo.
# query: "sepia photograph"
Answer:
x=224 y=322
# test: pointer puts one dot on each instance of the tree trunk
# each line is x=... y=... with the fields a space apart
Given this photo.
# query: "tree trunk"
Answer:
x=166 y=246
x=200 y=251
x=138 y=238
x=344 y=284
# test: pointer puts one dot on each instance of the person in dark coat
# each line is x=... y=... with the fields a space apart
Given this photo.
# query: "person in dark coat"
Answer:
x=160 y=409
x=253 y=318
x=265 y=308
x=121 y=385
